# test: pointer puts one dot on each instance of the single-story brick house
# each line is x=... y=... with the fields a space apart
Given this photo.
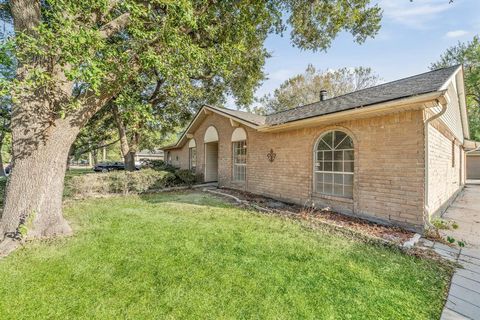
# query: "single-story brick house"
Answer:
x=393 y=153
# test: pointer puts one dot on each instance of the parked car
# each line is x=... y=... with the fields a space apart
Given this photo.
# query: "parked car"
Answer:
x=111 y=166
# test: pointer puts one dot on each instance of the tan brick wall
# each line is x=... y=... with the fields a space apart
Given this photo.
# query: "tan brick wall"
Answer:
x=445 y=177
x=389 y=162
x=225 y=130
x=389 y=176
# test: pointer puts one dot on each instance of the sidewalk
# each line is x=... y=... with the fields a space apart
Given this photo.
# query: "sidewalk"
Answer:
x=463 y=300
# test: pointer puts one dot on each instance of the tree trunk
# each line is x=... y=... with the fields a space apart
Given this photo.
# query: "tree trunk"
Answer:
x=129 y=159
x=90 y=159
x=95 y=156
x=33 y=200
x=70 y=157
x=2 y=168
x=42 y=140
x=133 y=149
x=127 y=153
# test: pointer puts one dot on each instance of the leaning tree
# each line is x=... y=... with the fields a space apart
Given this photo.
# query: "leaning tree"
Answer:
x=74 y=56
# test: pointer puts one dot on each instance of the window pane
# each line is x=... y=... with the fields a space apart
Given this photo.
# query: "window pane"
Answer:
x=338 y=178
x=328 y=155
x=328 y=188
x=348 y=179
x=339 y=136
x=319 y=182
x=338 y=155
x=323 y=146
x=319 y=166
x=348 y=154
x=346 y=144
x=328 y=138
x=193 y=158
x=239 y=160
x=328 y=177
x=327 y=166
x=338 y=190
x=348 y=166
x=338 y=166
x=319 y=155
x=348 y=191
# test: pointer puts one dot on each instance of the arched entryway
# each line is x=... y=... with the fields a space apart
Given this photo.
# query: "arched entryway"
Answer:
x=211 y=154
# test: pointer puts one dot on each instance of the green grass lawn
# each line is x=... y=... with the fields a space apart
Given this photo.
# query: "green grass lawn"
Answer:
x=191 y=256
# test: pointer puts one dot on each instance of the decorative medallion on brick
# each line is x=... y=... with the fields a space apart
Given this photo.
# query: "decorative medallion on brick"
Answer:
x=271 y=155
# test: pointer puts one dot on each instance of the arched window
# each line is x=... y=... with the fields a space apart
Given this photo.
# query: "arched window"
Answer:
x=192 y=155
x=239 y=157
x=334 y=164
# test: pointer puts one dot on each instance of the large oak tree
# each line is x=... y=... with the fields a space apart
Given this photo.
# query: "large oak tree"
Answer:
x=74 y=56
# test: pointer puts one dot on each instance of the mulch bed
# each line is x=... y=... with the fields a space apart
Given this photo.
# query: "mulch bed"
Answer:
x=387 y=233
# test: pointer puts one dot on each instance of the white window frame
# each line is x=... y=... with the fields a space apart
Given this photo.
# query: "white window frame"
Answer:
x=192 y=165
x=239 y=169
x=334 y=173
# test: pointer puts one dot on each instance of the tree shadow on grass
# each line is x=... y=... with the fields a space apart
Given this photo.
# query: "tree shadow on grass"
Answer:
x=193 y=197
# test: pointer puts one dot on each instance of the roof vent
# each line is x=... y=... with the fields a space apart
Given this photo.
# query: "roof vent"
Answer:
x=323 y=95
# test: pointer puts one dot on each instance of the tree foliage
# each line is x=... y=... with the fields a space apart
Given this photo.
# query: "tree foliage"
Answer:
x=74 y=56
x=99 y=132
x=100 y=44
x=305 y=88
x=467 y=54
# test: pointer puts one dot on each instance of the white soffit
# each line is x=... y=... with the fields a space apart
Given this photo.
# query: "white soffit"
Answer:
x=239 y=134
x=211 y=135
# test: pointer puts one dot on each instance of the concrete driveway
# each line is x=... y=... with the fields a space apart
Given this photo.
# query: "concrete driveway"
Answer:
x=465 y=211
x=463 y=300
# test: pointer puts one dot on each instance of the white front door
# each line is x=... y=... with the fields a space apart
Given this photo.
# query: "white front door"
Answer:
x=211 y=161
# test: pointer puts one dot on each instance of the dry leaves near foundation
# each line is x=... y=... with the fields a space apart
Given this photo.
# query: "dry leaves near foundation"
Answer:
x=390 y=234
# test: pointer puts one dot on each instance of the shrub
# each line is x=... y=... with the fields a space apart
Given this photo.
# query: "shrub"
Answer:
x=186 y=177
x=120 y=182
x=160 y=165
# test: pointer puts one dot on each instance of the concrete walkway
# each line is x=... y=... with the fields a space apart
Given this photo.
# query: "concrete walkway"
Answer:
x=463 y=300
x=465 y=211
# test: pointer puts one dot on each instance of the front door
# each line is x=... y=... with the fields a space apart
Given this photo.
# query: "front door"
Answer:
x=211 y=161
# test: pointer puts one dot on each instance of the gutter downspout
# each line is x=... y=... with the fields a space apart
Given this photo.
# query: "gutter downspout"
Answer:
x=426 y=213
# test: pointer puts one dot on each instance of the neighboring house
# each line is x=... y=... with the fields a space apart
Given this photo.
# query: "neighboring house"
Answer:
x=149 y=155
x=473 y=165
x=393 y=153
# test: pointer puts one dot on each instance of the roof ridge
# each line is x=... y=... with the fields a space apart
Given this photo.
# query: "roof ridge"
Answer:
x=375 y=86
x=235 y=110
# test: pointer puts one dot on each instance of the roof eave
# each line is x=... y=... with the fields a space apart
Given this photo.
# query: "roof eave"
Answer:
x=373 y=109
x=471 y=145
x=202 y=110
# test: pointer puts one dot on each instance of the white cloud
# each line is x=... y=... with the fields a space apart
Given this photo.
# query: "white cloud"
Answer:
x=456 y=33
x=417 y=14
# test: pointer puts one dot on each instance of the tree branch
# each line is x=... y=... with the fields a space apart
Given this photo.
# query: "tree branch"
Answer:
x=156 y=91
x=114 y=26
x=88 y=149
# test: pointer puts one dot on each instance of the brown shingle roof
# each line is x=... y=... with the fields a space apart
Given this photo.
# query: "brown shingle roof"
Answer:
x=412 y=86
x=246 y=116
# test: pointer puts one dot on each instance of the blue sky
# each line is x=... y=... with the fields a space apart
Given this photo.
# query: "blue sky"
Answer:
x=413 y=35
